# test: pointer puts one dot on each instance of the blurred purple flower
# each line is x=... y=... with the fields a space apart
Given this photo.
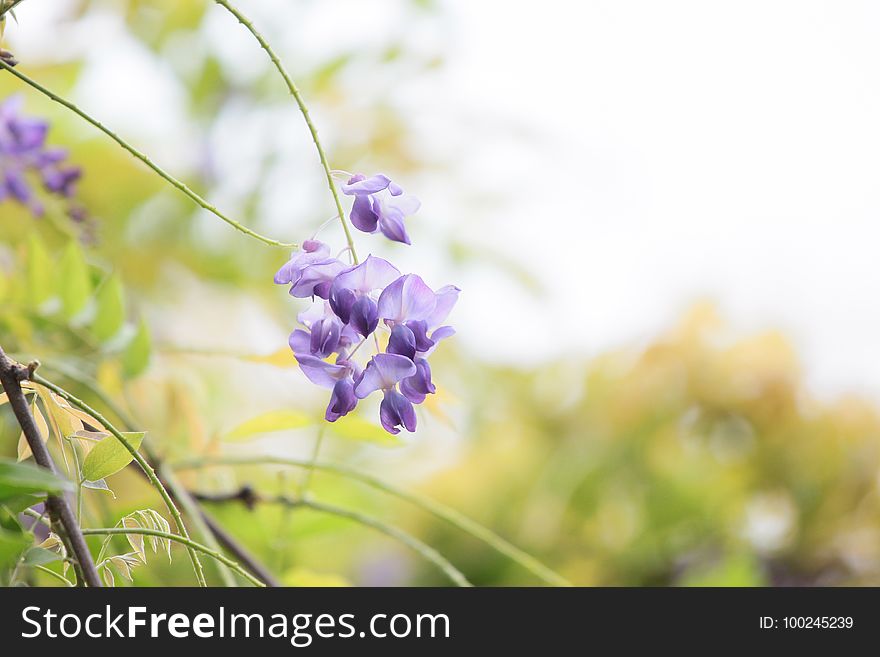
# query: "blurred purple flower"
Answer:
x=24 y=156
x=311 y=271
x=380 y=206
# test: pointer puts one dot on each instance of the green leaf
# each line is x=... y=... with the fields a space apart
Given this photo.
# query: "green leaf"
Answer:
x=23 y=479
x=39 y=272
x=75 y=285
x=98 y=485
x=109 y=456
x=137 y=353
x=12 y=544
x=352 y=427
x=269 y=422
x=19 y=503
x=9 y=519
x=38 y=556
x=110 y=315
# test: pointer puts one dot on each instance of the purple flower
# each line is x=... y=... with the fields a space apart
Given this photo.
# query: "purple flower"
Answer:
x=311 y=271
x=339 y=376
x=380 y=206
x=419 y=385
x=359 y=281
x=397 y=411
x=23 y=153
x=409 y=300
x=326 y=335
x=403 y=341
x=342 y=400
x=362 y=300
x=383 y=372
x=364 y=316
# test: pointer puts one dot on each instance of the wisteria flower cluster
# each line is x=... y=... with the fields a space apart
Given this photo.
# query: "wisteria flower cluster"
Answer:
x=373 y=303
x=25 y=157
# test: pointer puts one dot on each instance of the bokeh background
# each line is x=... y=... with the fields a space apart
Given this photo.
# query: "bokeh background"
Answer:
x=662 y=215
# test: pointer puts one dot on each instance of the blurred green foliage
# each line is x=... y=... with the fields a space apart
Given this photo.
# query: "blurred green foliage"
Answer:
x=699 y=459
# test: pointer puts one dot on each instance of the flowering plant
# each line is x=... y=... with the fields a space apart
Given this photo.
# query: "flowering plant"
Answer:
x=353 y=304
x=367 y=331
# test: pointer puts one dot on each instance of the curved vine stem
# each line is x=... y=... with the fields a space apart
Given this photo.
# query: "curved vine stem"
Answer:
x=409 y=540
x=445 y=513
x=166 y=476
x=249 y=496
x=174 y=182
x=297 y=96
x=190 y=544
x=57 y=576
x=141 y=461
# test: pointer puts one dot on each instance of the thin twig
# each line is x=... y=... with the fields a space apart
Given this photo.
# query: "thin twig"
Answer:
x=66 y=581
x=148 y=470
x=177 y=538
x=11 y=376
x=249 y=497
x=241 y=554
x=437 y=509
x=297 y=96
x=174 y=182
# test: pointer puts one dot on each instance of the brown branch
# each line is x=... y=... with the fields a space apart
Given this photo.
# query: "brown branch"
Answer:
x=58 y=506
x=241 y=554
x=229 y=543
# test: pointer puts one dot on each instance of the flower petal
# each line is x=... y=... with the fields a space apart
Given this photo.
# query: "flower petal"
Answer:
x=372 y=274
x=405 y=204
x=392 y=226
x=419 y=330
x=342 y=400
x=383 y=372
x=320 y=372
x=362 y=214
x=325 y=336
x=361 y=185
x=407 y=298
x=300 y=342
x=446 y=298
x=396 y=410
x=417 y=387
x=402 y=342
x=364 y=316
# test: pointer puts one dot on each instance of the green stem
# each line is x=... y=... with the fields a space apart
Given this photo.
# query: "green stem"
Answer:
x=297 y=96
x=186 y=501
x=148 y=470
x=310 y=468
x=436 y=509
x=66 y=581
x=409 y=540
x=144 y=158
x=426 y=551
x=204 y=532
x=190 y=544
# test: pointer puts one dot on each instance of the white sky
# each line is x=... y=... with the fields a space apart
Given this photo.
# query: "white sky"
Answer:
x=636 y=155
x=689 y=150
